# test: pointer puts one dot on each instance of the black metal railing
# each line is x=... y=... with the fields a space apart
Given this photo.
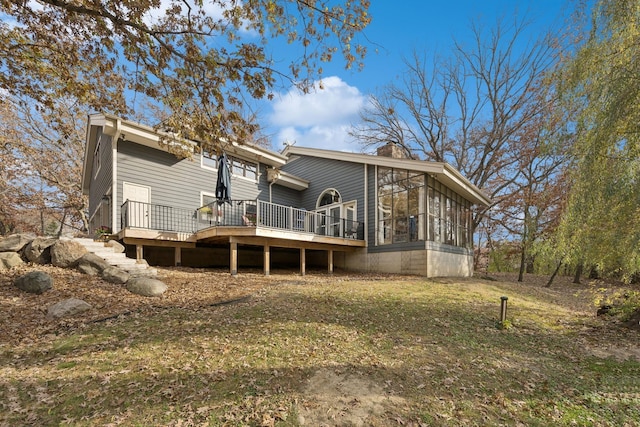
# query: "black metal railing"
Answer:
x=157 y=217
x=237 y=213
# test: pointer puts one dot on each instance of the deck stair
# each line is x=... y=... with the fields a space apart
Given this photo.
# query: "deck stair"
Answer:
x=117 y=259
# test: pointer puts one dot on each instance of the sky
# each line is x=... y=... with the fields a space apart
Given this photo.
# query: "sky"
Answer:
x=322 y=118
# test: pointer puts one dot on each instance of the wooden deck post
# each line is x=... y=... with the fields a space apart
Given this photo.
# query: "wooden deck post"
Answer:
x=267 y=259
x=234 y=258
x=177 y=259
x=330 y=261
x=303 y=261
x=139 y=254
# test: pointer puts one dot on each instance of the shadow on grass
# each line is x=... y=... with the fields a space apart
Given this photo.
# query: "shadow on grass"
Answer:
x=236 y=363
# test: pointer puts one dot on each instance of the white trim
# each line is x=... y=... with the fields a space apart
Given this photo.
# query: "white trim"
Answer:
x=97 y=155
x=115 y=206
x=375 y=211
x=366 y=203
x=330 y=204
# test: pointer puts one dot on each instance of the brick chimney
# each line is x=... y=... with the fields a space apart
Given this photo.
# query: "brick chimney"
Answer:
x=391 y=149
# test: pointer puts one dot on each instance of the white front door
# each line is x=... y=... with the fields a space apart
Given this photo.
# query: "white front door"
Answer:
x=137 y=212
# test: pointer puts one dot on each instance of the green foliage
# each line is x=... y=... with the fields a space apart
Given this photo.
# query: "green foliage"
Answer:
x=602 y=222
x=504 y=258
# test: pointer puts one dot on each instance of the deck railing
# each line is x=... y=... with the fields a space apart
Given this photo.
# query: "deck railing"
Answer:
x=157 y=217
x=237 y=213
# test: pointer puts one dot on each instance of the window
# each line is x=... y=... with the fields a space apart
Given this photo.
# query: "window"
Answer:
x=409 y=210
x=401 y=206
x=328 y=197
x=237 y=166
x=209 y=160
x=449 y=216
x=97 y=153
x=243 y=168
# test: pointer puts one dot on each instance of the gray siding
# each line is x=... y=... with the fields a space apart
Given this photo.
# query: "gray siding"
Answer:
x=284 y=196
x=347 y=178
x=101 y=182
x=174 y=182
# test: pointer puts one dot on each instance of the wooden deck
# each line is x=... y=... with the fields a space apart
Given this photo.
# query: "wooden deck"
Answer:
x=238 y=236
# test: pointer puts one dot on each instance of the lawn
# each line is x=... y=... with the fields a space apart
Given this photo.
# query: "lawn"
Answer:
x=286 y=350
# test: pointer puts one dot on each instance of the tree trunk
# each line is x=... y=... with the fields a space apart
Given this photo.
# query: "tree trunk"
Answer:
x=530 y=265
x=523 y=255
x=64 y=217
x=576 y=278
x=553 y=276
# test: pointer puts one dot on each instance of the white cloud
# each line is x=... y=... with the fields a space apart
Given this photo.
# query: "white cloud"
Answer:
x=319 y=119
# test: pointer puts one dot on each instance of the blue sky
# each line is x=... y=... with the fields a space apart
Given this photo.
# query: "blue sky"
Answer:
x=322 y=119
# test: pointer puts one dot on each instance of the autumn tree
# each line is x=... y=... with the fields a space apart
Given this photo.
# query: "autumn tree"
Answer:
x=45 y=149
x=201 y=61
x=470 y=109
x=602 y=225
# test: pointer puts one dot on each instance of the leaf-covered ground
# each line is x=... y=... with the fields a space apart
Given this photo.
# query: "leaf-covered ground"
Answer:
x=317 y=350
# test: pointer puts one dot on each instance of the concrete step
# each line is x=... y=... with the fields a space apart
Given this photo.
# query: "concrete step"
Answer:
x=117 y=259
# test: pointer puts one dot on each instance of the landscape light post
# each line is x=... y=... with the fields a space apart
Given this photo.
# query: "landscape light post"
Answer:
x=503 y=308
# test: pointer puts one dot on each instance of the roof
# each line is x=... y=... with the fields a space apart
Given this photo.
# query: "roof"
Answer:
x=442 y=172
x=117 y=128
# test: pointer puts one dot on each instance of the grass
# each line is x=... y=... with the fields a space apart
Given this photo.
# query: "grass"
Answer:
x=427 y=353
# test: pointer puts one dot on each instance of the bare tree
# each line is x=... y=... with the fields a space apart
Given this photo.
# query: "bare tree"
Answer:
x=48 y=146
x=469 y=110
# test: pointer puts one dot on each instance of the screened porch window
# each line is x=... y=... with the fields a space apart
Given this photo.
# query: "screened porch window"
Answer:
x=409 y=210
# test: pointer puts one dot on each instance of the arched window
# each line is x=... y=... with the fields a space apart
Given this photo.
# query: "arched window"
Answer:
x=329 y=197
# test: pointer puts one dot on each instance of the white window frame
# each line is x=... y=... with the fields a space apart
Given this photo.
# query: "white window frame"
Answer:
x=97 y=153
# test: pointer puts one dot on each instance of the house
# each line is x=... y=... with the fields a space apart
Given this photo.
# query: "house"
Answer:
x=302 y=207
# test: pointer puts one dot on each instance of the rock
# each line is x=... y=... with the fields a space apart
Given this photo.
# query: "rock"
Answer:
x=34 y=282
x=146 y=286
x=9 y=260
x=115 y=275
x=117 y=247
x=39 y=250
x=68 y=307
x=15 y=242
x=66 y=253
x=92 y=264
x=87 y=269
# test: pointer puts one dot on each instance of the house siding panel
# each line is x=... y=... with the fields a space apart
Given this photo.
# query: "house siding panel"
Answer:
x=174 y=182
x=347 y=178
x=101 y=182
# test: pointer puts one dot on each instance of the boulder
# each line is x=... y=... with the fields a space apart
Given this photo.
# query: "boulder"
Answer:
x=117 y=247
x=15 y=242
x=34 y=282
x=66 y=253
x=146 y=286
x=68 y=307
x=115 y=275
x=39 y=250
x=92 y=264
x=9 y=260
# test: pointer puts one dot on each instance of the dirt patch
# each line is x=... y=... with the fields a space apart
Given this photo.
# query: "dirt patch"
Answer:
x=338 y=399
x=618 y=352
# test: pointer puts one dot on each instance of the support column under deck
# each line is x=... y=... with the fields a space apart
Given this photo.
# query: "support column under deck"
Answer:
x=177 y=258
x=330 y=261
x=234 y=259
x=267 y=259
x=303 y=261
x=139 y=254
